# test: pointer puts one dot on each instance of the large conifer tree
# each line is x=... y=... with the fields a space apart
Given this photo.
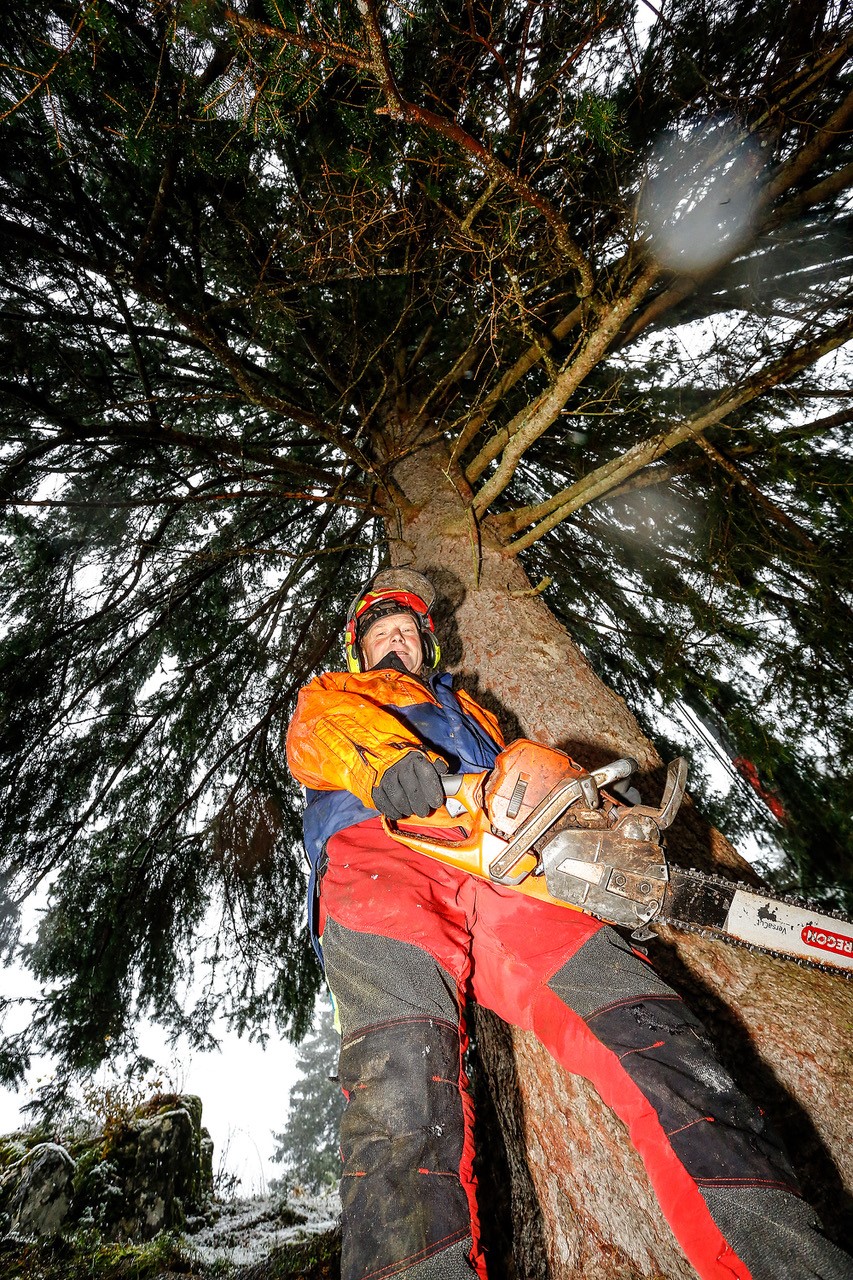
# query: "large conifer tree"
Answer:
x=308 y=1146
x=506 y=291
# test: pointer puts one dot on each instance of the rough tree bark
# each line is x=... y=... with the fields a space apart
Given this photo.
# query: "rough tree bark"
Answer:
x=784 y=1032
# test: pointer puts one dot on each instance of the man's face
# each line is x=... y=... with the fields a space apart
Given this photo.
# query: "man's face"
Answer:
x=395 y=633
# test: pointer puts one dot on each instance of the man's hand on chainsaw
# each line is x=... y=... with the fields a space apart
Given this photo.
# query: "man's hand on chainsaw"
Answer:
x=411 y=786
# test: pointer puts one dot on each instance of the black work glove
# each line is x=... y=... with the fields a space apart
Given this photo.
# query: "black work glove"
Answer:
x=411 y=786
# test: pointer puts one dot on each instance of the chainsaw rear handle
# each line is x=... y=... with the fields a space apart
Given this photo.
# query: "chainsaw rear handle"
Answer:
x=477 y=845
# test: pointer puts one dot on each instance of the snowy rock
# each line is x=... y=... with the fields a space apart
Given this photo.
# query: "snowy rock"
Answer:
x=165 y=1163
x=42 y=1200
x=206 y=1166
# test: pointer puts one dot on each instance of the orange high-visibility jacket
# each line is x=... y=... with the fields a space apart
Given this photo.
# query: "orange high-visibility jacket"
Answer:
x=349 y=728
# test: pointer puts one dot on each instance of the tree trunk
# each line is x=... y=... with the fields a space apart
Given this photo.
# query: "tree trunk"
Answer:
x=784 y=1032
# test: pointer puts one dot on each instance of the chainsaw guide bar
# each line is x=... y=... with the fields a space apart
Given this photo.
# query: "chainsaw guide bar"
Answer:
x=743 y=915
x=627 y=881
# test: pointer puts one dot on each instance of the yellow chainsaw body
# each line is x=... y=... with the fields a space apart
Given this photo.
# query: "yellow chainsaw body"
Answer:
x=496 y=804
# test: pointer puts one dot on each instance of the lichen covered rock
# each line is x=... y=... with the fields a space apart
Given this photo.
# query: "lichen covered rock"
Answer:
x=146 y=1172
x=42 y=1200
x=161 y=1160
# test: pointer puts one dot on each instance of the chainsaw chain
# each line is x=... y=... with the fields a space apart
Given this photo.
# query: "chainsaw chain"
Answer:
x=706 y=931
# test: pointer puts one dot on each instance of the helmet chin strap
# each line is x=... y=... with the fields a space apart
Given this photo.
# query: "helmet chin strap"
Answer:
x=393 y=662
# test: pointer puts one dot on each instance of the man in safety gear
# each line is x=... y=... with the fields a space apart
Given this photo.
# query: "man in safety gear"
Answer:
x=408 y=940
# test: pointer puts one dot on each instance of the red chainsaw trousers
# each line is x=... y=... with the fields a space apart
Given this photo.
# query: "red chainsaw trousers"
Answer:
x=407 y=940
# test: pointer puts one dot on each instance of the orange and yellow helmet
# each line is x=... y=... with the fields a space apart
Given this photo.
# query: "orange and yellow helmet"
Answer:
x=392 y=591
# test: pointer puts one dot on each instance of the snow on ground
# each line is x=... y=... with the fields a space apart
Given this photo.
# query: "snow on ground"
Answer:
x=246 y=1231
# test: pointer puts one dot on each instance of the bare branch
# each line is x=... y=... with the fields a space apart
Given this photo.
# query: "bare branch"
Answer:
x=523 y=365
x=328 y=48
x=400 y=108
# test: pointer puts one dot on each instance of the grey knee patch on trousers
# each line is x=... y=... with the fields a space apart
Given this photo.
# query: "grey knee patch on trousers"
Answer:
x=450 y=1264
x=376 y=979
x=603 y=971
x=775 y=1234
x=719 y=1135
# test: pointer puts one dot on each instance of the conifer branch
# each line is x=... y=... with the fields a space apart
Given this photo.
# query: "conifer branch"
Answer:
x=158 y=211
x=245 y=377
x=528 y=425
x=683 y=286
x=807 y=157
x=180 y=500
x=642 y=480
x=832 y=185
x=43 y=81
x=544 y=516
x=139 y=854
x=775 y=512
x=212 y=447
x=804 y=432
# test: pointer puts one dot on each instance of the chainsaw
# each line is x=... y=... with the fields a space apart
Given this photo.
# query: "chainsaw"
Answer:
x=541 y=824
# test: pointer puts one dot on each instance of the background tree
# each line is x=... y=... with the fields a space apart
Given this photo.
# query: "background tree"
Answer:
x=308 y=1147
x=506 y=291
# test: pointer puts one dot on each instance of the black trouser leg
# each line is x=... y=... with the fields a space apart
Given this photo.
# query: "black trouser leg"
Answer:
x=404 y=1140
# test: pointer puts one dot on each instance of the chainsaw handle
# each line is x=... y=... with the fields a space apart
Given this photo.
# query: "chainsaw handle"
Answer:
x=466 y=790
x=673 y=794
x=470 y=852
x=482 y=852
x=615 y=771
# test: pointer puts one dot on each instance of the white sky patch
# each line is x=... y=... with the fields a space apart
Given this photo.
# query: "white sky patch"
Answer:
x=244 y=1088
x=645 y=18
x=167 y=668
